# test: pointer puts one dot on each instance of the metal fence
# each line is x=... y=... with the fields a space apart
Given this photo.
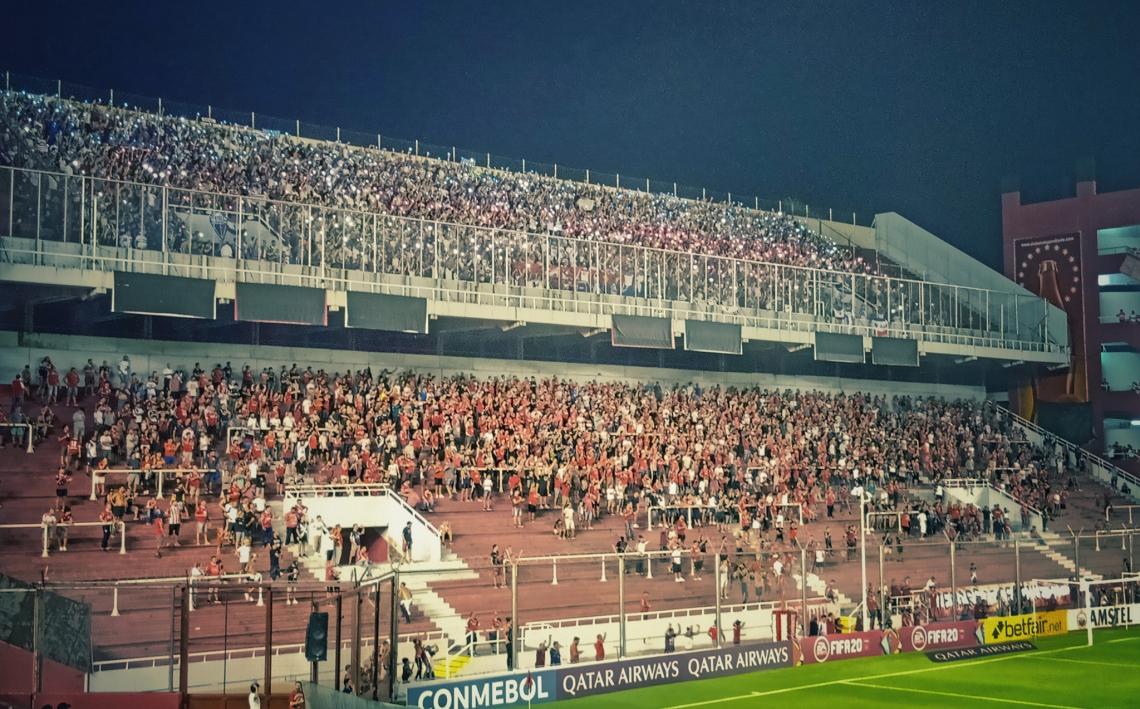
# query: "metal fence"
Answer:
x=82 y=222
x=203 y=634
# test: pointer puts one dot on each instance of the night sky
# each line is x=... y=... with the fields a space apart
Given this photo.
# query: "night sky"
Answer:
x=919 y=108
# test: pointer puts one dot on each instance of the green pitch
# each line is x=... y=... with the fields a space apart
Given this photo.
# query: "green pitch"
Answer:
x=1063 y=673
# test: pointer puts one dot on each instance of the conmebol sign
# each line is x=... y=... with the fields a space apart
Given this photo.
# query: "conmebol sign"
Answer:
x=570 y=681
x=497 y=691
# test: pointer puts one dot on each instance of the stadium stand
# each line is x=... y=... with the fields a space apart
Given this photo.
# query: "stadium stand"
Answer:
x=120 y=144
x=721 y=468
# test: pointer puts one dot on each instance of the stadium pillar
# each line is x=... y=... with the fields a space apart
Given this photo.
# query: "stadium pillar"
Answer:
x=37 y=656
x=803 y=596
x=354 y=654
x=1017 y=574
x=393 y=635
x=953 y=585
x=621 y=606
x=170 y=646
x=375 y=679
x=716 y=592
x=884 y=611
x=268 y=681
x=513 y=626
x=314 y=666
x=336 y=648
x=184 y=645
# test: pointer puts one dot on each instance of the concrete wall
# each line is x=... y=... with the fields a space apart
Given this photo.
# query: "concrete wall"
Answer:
x=151 y=355
x=383 y=510
x=987 y=496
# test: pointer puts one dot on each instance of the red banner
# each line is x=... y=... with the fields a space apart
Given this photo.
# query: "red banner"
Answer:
x=822 y=648
x=934 y=636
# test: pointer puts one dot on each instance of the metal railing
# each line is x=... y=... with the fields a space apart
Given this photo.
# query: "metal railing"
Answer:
x=299 y=129
x=69 y=221
x=49 y=528
x=1113 y=471
x=29 y=434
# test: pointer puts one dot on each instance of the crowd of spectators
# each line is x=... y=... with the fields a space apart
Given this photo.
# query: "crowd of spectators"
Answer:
x=100 y=141
x=753 y=464
x=278 y=174
x=750 y=461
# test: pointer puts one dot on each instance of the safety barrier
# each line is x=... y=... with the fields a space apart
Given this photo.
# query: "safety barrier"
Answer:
x=29 y=435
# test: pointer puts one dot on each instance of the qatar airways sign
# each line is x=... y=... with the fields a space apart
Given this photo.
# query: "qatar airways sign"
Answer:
x=586 y=680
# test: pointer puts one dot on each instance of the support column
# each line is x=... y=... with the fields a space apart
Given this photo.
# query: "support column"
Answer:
x=267 y=683
x=375 y=645
x=716 y=593
x=336 y=648
x=1017 y=575
x=355 y=652
x=953 y=584
x=184 y=646
x=393 y=635
x=513 y=627
x=621 y=606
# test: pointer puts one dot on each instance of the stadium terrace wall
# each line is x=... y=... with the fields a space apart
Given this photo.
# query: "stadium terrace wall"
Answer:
x=20 y=349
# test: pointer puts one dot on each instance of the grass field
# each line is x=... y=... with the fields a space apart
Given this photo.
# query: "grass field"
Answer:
x=1063 y=673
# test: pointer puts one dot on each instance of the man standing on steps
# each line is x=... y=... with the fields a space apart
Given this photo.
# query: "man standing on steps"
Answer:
x=408 y=541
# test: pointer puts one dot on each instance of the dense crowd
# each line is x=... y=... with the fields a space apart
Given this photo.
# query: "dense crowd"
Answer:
x=92 y=139
x=741 y=459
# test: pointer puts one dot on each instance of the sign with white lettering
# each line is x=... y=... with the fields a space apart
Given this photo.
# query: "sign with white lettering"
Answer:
x=969 y=653
x=587 y=680
x=937 y=636
x=1105 y=617
x=821 y=648
x=497 y=691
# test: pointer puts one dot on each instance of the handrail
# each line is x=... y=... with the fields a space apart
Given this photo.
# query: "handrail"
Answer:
x=1068 y=445
x=243 y=652
x=578 y=243
x=663 y=614
x=555 y=299
x=161 y=476
x=29 y=434
x=46 y=547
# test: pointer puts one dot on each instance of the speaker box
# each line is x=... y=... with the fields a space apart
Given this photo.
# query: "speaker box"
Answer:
x=317 y=637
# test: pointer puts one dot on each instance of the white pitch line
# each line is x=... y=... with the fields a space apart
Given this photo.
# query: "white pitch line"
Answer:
x=903 y=673
x=956 y=695
x=1087 y=662
x=1123 y=640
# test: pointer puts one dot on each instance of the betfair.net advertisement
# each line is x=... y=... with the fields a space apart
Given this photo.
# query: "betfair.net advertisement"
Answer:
x=1024 y=627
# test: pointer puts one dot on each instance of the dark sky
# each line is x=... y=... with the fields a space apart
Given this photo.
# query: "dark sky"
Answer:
x=921 y=108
